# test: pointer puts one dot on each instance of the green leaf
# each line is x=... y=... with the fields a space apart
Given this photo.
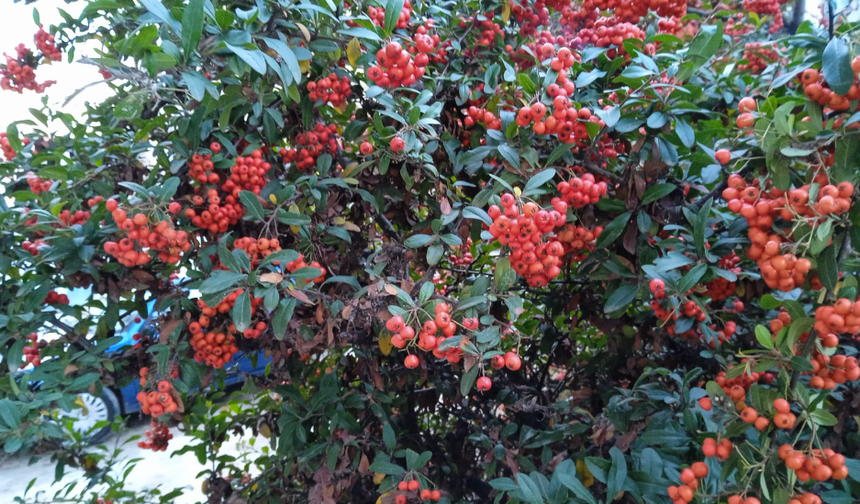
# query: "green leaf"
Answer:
x=691 y=278
x=768 y=302
x=620 y=298
x=685 y=133
x=9 y=413
x=287 y=55
x=845 y=165
x=566 y=472
x=242 y=312
x=559 y=152
x=388 y=437
x=131 y=106
x=824 y=418
x=192 y=25
x=323 y=46
x=282 y=317
x=527 y=84
x=220 y=281
x=293 y=219
x=472 y=212
x=706 y=43
x=765 y=339
x=828 y=270
x=393 y=8
x=836 y=66
x=612 y=231
x=656 y=192
x=529 y=489
x=253 y=57
x=537 y=181
x=701 y=226
x=510 y=155
x=418 y=240
x=380 y=465
x=617 y=473
x=198 y=85
x=434 y=254
x=468 y=380
x=360 y=32
x=252 y=204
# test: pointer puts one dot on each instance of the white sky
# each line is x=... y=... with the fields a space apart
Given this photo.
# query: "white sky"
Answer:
x=16 y=25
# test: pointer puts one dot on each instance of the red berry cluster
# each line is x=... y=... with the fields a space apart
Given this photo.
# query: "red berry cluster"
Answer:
x=461 y=255
x=612 y=32
x=722 y=451
x=413 y=485
x=200 y=168
x=95 y=200
x=54 y=297
x=45 y=45
x=37 y=185
x=8 y=152
x=31 y=352
x=143 y=236
x=156 y=402
x=819 y=465
x=721 y=288
x=33 y=247
x=247 y=174
x=156 y=438
x=330 y=89
x=580 y=192
x=530 y=14
x=486 y=29
x=522 y=229
x=690 y=479
x=737 y=387
x=758 y=56
x=395 y=66
x=366 y=148
x=766 y=7
x=215 y=217
x=427 y=44
x=377 y=15
x=223 y=307
x=311 y=145
x=19 y=73
x=817 y=90
x=479 y=115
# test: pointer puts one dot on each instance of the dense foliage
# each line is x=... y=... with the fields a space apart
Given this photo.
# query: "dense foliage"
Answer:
x=537 y=252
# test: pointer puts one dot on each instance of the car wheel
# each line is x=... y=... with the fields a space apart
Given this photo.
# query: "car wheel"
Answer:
x=95 y=409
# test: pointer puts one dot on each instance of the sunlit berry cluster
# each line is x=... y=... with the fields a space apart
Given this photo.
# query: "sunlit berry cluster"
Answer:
x=827 y=371
x=310 y=146
x=144 y=234
x=157 y=401
x=815 y=464
x=582 y=191
x=19 y=73
x=211 y=214
x=45 y=45
x=578 y=241
x=817 y=90
x=395 y=66
x=247 y=174
x=212 y=348
x=257 y=249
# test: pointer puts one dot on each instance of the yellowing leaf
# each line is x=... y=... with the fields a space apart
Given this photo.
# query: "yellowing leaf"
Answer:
x=584 y=474
x=377 y=479
x=305 y=31
x=349 y=226
x=265 y=431
x=506 y=12
x=338 y=221
x=305 y=65
x=385 y=345
x=353 y=51
x=273 y=199
x=518 y=192
x=272 y=278
x=294 y=209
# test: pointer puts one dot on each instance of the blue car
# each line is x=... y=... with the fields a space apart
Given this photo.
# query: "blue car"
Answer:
x=123 y=401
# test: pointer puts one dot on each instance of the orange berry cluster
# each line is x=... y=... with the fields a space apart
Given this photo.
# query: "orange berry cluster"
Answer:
x=817 y=90
x=377 y=15
x=157 y=437
x=784 y=418
x=311 y=145
x=9 y=153
x=156 y=402
x=31 y=352
x=257 y=248
x=828 y=371
x=142 y=236
x=690 y=478
x=213 y=349
x=580 y=192
x=300 y=263
x=843 y=317
x=395 y=66
x=19 y=73
x=737 y=387
x=55 y=298
x=45 y=45
x=330 y=89
x=710 y=448
x=806 y=498
x=819 y=465
x=248 y=174
x=720 y=288
x=523 y=231
x=759 y=56
x=737 y=499
x=608 y=31
x=750 y=415
x=215 y=217
x=578 y=241
x=70 y=219
x=37 y=185
x=95 y=200
x=414 y=485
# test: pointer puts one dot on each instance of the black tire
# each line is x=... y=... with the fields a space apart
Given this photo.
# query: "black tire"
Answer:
x=105 y=407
